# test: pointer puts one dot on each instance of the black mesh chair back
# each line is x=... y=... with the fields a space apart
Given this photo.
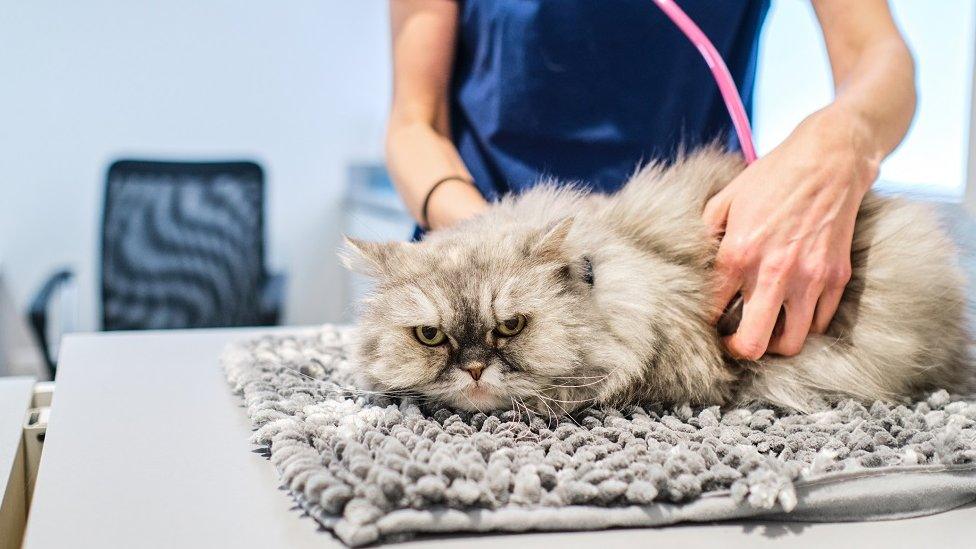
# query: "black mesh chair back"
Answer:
x=183 y=245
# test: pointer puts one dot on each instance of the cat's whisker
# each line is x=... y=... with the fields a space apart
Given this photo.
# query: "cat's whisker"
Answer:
x=528 y=412
x=567 y=412
x=529 y=434
x=472 y=402
x=517 y=410
x=558 y=401
x=514 y=407
x=552 y=413
x=510 y=429
x=530 y=415
x=597 y=382
x=567 y=415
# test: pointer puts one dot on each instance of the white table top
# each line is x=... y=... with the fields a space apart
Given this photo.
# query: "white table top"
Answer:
x=147 y=447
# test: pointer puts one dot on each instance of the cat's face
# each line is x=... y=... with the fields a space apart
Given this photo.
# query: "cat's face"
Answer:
x=480 y=322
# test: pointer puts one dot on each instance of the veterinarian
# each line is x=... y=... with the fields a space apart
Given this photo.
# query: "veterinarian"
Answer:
x=491 y=96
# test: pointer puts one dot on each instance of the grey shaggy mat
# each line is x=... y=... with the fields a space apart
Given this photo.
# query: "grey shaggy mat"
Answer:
x=369 y=468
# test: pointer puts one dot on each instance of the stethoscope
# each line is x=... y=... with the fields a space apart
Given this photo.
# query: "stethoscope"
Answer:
x=730 y=94
x=729 y=322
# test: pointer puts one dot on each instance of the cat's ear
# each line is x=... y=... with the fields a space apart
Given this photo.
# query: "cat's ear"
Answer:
x=369 y=258
x=549 y=244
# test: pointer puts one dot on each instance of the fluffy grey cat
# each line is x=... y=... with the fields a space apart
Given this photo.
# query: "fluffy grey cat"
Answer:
x=556 y=299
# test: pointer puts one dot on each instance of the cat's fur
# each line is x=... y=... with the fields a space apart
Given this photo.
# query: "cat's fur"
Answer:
x=641 y=332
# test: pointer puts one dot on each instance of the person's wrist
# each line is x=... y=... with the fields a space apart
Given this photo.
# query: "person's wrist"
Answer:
x=844 y=145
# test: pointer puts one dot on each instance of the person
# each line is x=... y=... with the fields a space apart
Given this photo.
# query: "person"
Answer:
x=490 y=96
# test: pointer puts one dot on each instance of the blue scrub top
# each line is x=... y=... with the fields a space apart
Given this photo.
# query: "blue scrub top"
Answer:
x=586 y=90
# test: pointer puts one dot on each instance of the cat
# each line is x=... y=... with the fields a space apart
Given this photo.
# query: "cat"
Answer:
x=557 y=299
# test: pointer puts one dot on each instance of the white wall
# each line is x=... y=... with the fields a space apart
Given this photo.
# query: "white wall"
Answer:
x=794 y=80
x=300 y=86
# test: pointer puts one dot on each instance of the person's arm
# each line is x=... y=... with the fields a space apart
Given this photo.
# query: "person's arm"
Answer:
x=419 y=151
x=788 y=219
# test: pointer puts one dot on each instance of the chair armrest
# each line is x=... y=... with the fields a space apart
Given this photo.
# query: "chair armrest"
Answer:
x=272 y=299
x=37 y=314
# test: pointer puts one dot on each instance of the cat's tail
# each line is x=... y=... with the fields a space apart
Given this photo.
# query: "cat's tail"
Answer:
x=830 y=370
x=826 y=371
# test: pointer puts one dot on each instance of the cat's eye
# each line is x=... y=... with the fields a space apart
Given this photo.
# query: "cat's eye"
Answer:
x=510 y=327
x=430 y=336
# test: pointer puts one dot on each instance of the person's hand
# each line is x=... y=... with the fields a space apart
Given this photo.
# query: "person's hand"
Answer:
x=453 y=202
x=786 y=224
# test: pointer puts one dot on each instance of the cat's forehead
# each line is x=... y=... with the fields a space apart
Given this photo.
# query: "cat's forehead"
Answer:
x=458 y=278
x=437 y=300
x=476 y=287
x=465 y=290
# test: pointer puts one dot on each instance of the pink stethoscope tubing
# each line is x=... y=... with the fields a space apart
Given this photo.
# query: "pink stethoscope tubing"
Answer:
x=730 y=94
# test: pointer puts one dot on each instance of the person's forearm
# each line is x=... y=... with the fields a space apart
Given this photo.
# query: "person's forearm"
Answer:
x=419 y=151
x=417 y=157
x=880 y=91
x=874 y=82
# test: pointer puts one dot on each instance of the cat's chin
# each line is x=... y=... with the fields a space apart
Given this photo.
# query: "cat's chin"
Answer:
x=477 y=398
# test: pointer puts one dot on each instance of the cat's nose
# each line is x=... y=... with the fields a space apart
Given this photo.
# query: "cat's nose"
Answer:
x=474 y=369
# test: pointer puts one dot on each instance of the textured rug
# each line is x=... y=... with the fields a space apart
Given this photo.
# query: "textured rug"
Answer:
x=370 y=468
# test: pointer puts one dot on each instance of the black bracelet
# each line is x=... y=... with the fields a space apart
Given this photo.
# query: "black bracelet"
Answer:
x=423 y=210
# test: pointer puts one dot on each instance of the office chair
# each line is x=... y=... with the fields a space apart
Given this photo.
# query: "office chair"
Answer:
x=182 y=246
